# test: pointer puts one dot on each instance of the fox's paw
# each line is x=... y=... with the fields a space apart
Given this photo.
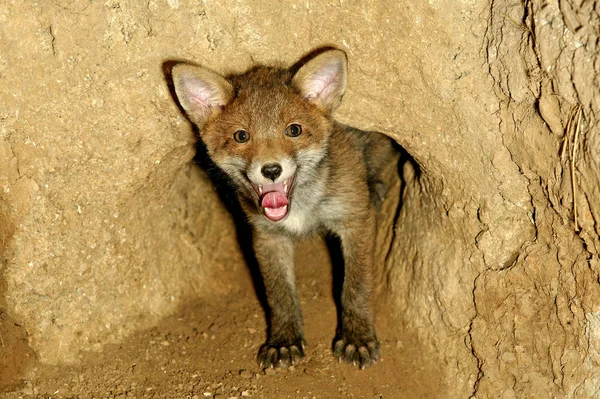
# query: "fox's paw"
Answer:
x=360 y=352
x=280 y=354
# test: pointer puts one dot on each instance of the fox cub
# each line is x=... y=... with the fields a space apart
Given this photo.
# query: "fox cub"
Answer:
x=296 y=172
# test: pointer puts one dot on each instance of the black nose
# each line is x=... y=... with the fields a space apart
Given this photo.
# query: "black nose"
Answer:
x=271 y=170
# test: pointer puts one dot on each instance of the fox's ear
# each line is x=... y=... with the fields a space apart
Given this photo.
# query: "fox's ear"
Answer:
x=200 y=91
x=322 y=80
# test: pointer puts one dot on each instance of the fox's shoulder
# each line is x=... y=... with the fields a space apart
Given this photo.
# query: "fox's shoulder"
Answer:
x=370 y=147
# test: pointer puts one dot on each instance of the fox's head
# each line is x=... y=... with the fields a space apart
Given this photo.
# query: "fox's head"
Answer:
x=268 y=128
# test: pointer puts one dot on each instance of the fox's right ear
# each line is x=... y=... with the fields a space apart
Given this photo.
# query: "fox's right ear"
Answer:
x=200 y=91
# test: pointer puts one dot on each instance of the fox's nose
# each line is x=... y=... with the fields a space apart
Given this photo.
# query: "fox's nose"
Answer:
x=271 y=170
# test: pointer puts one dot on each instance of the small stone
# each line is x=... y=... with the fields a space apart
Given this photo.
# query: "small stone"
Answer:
x=165 y=343
x=270 y=371
x=245 y=393
x=252 y=330
x=246 y=374
x=207 y=394
x=292 y=368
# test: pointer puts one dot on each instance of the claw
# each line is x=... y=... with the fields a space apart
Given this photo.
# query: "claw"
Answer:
x=361 y=352
x=272 y=355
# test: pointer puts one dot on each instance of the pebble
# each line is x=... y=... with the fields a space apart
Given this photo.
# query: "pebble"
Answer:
x=165 y=343
x=246 y=374
x=252 y=330
x=270 y=371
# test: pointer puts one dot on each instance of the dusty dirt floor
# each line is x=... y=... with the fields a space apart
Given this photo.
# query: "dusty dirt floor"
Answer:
x=208 y=349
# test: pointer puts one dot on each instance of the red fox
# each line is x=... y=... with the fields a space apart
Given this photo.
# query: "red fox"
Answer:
x=296 y=171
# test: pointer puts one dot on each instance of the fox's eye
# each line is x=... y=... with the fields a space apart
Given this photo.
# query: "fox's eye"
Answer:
x=293 y=130
x=241 y=136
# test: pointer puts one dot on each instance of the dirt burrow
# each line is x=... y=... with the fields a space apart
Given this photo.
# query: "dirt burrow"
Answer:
x=105 y=228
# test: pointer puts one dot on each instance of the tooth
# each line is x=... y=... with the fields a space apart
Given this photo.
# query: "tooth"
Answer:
x=260 y=190
x=285 y=186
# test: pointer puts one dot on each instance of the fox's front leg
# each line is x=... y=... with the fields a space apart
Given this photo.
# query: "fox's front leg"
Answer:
x=355 y=340
x=285 y=341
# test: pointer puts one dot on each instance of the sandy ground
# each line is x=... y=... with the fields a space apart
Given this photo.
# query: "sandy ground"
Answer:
x=208 y=349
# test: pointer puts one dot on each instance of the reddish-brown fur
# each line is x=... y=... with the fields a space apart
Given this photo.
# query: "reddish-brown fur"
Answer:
x=334 y=170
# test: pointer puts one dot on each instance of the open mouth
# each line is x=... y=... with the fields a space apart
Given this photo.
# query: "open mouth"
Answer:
x=274 y=198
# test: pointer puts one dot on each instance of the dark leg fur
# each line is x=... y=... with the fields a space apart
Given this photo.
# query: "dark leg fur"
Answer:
x=285 y=343
x=355 y=340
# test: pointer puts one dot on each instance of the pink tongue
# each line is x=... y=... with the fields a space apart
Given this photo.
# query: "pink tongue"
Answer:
x=274 y=199
x=274 y=203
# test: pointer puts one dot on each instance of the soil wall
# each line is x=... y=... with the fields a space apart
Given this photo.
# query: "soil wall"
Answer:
x=106 y=226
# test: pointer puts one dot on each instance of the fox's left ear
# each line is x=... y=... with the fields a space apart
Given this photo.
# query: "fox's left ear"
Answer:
x=322 y=80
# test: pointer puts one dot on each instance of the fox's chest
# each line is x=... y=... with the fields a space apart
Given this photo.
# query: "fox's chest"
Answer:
x=305 y=219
